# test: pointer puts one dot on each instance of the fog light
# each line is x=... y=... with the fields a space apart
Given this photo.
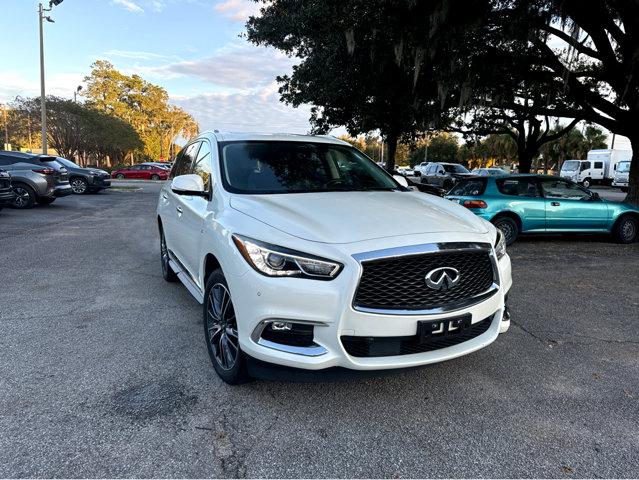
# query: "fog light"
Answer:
x=281 y=326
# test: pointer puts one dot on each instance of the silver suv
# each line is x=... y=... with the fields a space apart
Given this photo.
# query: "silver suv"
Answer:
x=35 y=178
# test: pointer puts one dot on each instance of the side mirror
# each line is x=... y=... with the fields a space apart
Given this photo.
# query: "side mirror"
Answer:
x=401 y=180
x=190 y=184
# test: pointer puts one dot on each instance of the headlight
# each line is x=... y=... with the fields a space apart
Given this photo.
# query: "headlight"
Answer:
x=500 y=245
x=274 y=261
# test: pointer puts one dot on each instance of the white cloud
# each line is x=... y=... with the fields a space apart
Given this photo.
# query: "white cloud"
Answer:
x=135 y=55
x=59 y=84
x=244 y=112
x=238 y=10
x=237 y=66
x=130 y=5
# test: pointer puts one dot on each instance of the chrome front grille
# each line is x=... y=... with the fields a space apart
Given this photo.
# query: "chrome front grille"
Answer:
x=396 y=281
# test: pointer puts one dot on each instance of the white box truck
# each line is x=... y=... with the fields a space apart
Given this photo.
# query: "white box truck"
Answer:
x=599 y=167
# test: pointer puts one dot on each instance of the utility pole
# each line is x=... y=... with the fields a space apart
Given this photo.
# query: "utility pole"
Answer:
x=75 y=93
x=6 y=129
x=43 y=107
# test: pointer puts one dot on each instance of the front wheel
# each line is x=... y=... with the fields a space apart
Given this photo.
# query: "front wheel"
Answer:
x=155 y=177
x=79 y=186
x=119 y=176
x=508 y=227
x=587 y=183
x=25 y=196
x=221 y=333
x=626 y=229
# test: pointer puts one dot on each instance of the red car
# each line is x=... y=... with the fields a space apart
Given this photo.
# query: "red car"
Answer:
x=142 y=172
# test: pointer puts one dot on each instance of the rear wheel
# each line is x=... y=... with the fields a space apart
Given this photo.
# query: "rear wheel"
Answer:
x=25 y=196
x=167 y=272
x=626 y=229
x=79 y=185
x=120 y=176
x=508 y=227
x=155 y=177
x=221 y=333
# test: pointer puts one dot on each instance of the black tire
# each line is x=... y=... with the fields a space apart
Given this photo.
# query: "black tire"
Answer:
x=508 y=227
x=220 y=331
x=626 y=229
x=587 y=183
x=79 y=185
x=25 y=196
x=44 y=201
x=155 y=177
x=120 y=176
x=167 y=272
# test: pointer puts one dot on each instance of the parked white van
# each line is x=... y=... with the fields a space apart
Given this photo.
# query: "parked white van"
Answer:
x=599 y=167
x=621 y=176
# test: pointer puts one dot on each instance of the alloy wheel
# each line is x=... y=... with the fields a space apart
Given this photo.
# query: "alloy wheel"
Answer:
x=78 y=185
x=628 y=230
x=164 y=252
x=22 y=197
x=508 y=231
x=222 y=327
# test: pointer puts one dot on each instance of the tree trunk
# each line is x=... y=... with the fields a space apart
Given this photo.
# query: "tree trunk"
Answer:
x=525 y=160
x=391 y=141
x=633 y=177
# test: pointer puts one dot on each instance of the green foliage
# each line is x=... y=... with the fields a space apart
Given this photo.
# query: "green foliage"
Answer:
x=76 y=129
x=141 y=104
x=369 y=64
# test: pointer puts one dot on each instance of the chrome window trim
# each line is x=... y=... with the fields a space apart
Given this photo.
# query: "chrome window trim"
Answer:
x=426 y=248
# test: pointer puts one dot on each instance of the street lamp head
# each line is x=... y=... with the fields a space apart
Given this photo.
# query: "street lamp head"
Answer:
x=55 y=2
x=49 y=19
x=79 y=88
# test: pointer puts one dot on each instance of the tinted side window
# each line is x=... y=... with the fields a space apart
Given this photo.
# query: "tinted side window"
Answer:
x=184 y=163
x=469 y=188
x=518 y=187
x=202 y=166
x=598 y=164
x=561 y=189
x=5 y=160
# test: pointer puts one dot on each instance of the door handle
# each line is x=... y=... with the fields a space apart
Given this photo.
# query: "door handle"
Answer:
x=179 y=209
x=555 y=204
x=165 y=196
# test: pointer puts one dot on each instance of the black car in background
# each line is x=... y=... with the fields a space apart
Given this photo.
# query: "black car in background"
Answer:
x=35 y=178
x=7 y=195
x=85 y=180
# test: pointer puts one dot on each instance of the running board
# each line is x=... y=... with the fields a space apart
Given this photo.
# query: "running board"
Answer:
x=185 y=278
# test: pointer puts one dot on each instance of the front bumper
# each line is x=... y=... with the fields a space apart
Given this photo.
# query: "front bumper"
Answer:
x=328 y=306
x=100 y=182
x=61 y=191
x=7 y=197
x=619 y=183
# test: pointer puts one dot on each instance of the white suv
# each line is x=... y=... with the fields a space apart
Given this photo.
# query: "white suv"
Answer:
x=306 y=254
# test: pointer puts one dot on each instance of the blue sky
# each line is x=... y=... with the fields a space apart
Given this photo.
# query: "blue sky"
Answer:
x=190 y=47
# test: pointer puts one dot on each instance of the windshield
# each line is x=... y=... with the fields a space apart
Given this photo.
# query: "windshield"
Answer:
x=298 y=167
x=623 y=167
x=67 y=163
x=570 y=165
x=455 y=169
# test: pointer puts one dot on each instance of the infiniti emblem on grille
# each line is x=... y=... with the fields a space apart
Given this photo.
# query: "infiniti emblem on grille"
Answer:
x=442 y=279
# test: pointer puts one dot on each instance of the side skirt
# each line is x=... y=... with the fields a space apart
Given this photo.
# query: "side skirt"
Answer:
x=186 y=279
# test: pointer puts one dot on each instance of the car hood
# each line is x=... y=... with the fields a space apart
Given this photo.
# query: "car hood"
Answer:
x=346 y=217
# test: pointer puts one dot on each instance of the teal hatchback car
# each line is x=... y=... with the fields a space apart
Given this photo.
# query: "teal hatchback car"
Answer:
x=523 y=203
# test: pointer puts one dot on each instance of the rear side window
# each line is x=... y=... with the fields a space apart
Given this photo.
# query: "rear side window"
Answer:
x=469 y=188
x=518 y=187
x=598 y=164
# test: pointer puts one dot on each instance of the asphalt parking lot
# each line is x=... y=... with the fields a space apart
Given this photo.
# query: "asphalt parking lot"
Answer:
x=104 y=371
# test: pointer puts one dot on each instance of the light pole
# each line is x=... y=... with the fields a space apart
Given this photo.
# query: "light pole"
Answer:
x=43 y=108
x=75 y=93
